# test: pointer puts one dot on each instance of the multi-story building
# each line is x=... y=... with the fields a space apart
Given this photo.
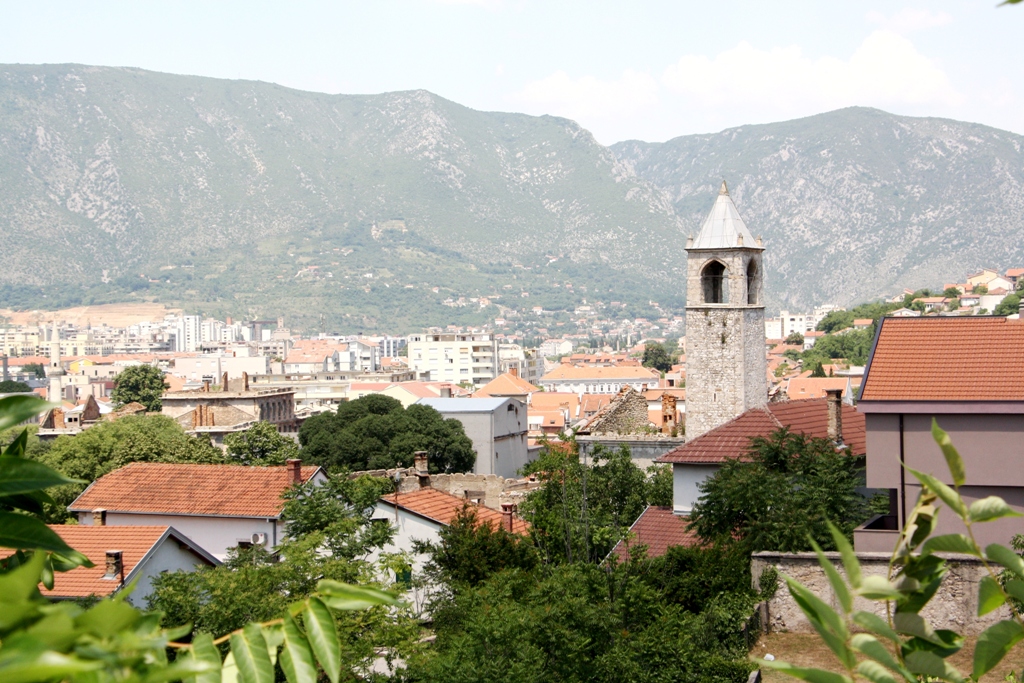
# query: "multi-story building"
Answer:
x=454 y=357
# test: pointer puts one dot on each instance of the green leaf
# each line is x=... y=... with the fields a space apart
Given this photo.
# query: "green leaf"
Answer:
x=183 y=669
x=812 y=675
x=993 y=644
x=953 y=460
x=913 y=624
x=251 y=657
x=876 y=673
x=930 y=664
x=877 y=587
x=229 y=670
x=947 y=495
x=28 y=533
x=16 y=409
x=871 y=647
x=296 y=657
x=20 y=475
x=1015 y=588
x=107 y=617
x=323 y=637
x=850 y=562
x=824 y=619
x=838 y=584
x=950 y=543
x=43 y=666
x=19 y=584
x=343 y=596
x=875 y=624
x=1006 y=557
x=992 y=507
x=990 y=596
x=203 y=650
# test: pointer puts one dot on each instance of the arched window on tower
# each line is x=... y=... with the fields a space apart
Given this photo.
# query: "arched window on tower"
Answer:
x=712 y=280
x=753 y=282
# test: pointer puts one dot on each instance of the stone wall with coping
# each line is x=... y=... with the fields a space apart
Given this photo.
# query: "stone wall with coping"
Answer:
x=954 y=606
x=643 y=448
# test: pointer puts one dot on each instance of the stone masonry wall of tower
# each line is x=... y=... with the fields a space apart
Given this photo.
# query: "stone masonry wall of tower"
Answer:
x=726 y=368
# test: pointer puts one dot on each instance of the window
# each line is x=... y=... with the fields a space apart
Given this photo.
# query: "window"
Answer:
x=752 y=282
x=712 y=280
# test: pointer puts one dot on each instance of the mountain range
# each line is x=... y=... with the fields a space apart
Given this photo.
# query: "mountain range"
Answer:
x=401 y=210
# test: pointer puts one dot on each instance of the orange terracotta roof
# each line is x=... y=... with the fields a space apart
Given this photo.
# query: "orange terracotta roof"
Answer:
x=443 y=508
x=947 y=359
x=814 y=387
x=598 y=372
x=506 y=384
x=732 y=440
x=1015 y=272
x=134 y=542
x=592 y=403
x=553 y=400
x=185 y=489
x=549 y=418
x=659 y=529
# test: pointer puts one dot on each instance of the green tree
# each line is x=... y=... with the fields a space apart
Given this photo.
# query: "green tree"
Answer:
x=835 y=321
x=140 y=384
x=260 y=444
x=582 y=511
x=795 y=338
x=1008 y=306
x=788 y=491
x=817 y=370
x=10 y=386
x=981 y=289
x=377 y=432
x=655 y=356
x=951 y=293
x=36 y=369
x=106 y=446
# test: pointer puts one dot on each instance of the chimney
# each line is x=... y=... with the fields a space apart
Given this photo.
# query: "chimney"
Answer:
x=514 y=371
x=245 y=381
x=206 y=385
x=224 y=381
x=294 y=466
x=421 y=462
x=115 y=565
x=99 y=517
x=446 y=392
x=508 y=511
x=834 y=398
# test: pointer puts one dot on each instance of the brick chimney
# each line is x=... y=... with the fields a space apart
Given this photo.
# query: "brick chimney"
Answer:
x=99 y=517
x=245 y=381
x=514 y=371
x=508 y=511
x=206 y=385
x=834 y=398
x=224 y=381
x=115 y=565
x=294 y=466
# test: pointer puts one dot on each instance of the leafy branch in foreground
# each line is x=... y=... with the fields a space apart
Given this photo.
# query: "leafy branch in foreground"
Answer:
x=903 y=645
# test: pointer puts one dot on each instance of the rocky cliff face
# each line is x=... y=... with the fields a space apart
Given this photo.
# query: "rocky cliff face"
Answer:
x=856 y=203
x=236 y=197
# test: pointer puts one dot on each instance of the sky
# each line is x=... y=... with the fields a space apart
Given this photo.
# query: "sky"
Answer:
x=624 y=70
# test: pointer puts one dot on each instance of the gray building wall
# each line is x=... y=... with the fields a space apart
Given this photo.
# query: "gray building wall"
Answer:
x=499 y=435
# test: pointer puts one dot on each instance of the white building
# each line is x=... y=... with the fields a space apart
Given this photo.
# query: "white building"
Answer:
x=188 y=333
x=454 y=357
x=497 y=427
x=554 y=347
x=599 y=379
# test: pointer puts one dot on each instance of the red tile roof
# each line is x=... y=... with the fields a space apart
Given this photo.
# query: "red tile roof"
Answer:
x=506 y=384
x=947 y=359
x=732 y=439
x=183 y=489
x=443 y=508
x=814 y=387
x=659 y=529
x=134 y=542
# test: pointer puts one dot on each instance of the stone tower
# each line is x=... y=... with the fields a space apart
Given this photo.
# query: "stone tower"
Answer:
x=726 y=369
x=54 y=370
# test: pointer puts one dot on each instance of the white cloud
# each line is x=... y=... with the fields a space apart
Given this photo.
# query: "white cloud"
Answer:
x=886 y=70
x=909 y=20
x=588 y=97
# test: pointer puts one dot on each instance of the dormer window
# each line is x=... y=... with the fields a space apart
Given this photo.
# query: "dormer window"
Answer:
x=712 y=280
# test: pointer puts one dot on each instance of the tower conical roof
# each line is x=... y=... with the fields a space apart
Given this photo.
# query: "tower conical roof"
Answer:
x=723 y=228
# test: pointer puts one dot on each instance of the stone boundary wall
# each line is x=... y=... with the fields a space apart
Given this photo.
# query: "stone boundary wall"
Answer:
x=643 y=448
x=954 y=606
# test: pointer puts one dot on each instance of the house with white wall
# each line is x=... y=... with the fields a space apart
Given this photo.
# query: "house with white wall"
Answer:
x=219 y=507
x=497 y=427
